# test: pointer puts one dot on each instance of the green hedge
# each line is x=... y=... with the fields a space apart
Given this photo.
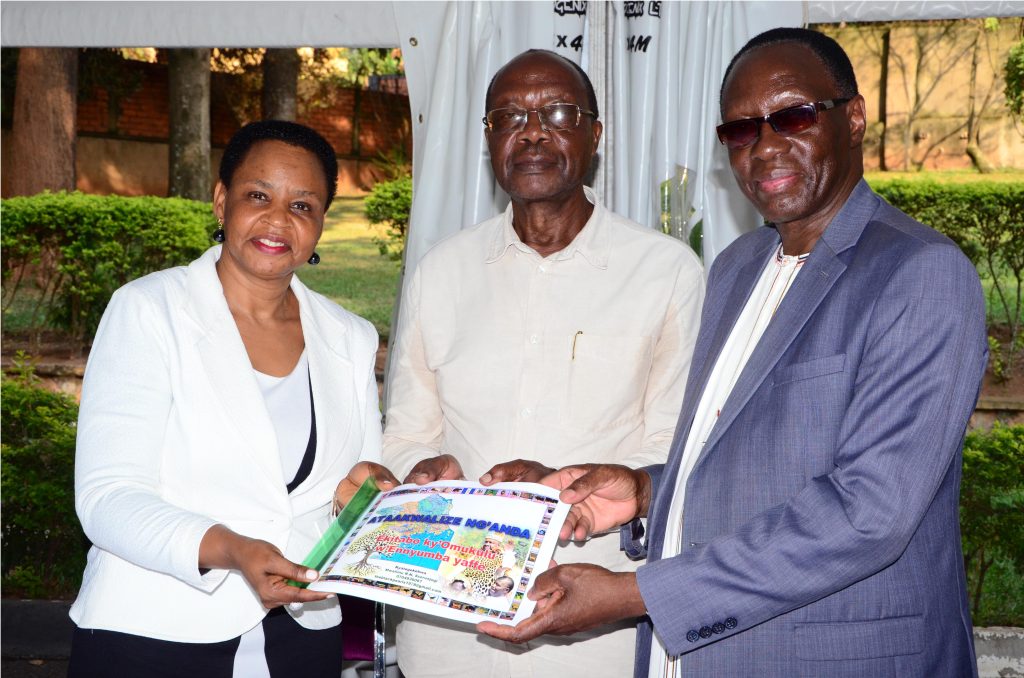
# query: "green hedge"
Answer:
x=983 y=218
x=389 y=203
x=43 y=544
x=986 y=220
x=70 y=251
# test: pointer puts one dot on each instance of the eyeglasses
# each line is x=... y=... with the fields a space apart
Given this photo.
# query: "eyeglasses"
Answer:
x=788 y=121
x=553 y=118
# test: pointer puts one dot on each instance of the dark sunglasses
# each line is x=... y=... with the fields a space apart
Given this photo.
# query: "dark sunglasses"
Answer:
x=788 y=121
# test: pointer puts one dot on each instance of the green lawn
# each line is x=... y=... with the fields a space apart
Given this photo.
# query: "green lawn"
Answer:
x=351 y=271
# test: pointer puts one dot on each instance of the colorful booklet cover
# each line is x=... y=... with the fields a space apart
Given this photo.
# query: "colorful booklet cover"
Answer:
x=454 y=549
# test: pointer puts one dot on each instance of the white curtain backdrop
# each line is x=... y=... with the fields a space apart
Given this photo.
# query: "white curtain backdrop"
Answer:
x=457 y=51
x=659 y=98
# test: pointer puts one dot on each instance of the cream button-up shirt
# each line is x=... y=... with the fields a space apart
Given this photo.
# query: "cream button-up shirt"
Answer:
x=581 y=356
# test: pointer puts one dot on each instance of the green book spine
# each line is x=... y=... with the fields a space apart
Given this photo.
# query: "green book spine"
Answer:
x=340 y=527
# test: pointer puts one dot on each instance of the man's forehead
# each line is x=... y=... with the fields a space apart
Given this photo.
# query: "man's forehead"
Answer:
x=775 y=68
x=535 y=73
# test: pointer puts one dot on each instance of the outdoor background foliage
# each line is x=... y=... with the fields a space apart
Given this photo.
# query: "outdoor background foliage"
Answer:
x=43 y=545
x=986 y=220
x=991 y=510
x=66 y=253
x=388 y=206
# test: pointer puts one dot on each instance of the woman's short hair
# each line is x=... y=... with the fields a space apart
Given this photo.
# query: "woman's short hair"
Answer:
x=291 y=133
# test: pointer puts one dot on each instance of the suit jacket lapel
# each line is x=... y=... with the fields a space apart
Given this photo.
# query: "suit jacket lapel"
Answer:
x=226 y=365
x=810 y=287
x=745 y=278
x=821 y=271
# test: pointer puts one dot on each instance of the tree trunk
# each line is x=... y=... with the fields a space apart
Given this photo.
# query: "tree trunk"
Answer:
x=982 y=569
x=978 y=159
x=44 y=123
x=280 y=84
x=973 y=149
x=189 y=141
x=356 y=105
x=883 y=94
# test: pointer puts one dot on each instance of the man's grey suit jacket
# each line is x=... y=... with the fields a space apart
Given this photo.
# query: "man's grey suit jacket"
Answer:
x=820 y=531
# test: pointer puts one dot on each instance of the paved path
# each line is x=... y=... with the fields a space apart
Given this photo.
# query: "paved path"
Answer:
x=34 y=668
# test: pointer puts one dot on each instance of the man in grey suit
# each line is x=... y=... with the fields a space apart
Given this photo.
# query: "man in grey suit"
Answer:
x=806 y=521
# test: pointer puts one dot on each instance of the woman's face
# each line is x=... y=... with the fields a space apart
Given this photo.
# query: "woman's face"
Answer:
x=273 y=212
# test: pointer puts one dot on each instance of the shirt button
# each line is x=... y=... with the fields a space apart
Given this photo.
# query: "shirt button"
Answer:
x=534 y=338
x=526 y=411
x=541 y=269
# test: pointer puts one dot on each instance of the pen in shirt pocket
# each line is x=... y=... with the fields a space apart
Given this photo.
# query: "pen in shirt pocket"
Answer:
x=574 y=338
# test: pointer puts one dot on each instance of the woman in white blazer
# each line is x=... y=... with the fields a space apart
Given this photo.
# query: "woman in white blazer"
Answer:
x=222 y=404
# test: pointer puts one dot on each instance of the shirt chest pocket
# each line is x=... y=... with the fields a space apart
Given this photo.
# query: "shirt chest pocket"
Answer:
x=607 y=379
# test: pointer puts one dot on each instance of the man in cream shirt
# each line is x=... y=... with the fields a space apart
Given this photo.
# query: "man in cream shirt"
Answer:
x=557 y=332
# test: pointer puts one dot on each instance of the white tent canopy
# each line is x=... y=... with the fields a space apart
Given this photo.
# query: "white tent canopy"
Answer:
x=656 y=67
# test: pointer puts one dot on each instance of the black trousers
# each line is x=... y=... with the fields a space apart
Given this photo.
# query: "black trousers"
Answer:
x=290 y=649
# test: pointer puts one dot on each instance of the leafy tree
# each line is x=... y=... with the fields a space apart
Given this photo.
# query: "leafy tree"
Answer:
x=325 y=70
x=1013 y=74
x=985 y=43
x=320 y=73
x=991 y=503
x=916 y=61
x=379 y=540
x=242 y=92
x=364 y=64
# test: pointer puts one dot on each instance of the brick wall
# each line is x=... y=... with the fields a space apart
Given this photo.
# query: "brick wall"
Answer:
x=359 y=124
x=143 y=114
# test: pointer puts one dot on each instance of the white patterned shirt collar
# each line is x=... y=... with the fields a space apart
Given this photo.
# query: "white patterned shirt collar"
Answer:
x=591 y=242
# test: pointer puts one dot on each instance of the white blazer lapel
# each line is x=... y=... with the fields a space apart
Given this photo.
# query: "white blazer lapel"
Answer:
x=336 y=403
x=226 y=364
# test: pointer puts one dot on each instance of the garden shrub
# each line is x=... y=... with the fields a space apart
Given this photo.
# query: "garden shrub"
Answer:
x=389 y=203
x=43 y=545
x=981 y=217
x=992 y=524
x=77 y=249
x=986 y=220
